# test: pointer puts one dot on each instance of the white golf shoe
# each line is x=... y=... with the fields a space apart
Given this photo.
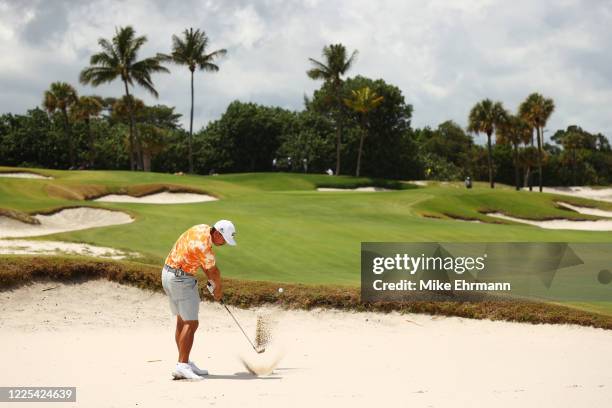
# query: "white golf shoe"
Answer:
x=197 y=370
x=183 y=371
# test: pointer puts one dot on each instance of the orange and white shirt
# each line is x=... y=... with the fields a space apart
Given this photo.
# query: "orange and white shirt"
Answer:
x=192 y=250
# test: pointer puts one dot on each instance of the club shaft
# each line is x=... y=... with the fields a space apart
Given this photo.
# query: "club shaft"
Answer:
x=240 y=327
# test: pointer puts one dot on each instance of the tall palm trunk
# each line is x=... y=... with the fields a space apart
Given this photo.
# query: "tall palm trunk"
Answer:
x=490 y=160
x=574 y=167
x=91 y=141
x=338 y=138
x=191 y=128
x=529 y=175
x=516 y=167
x=68 y=134
x=131 y=140
x=364 y=129
x=135 y=153
x=338 y=128
x=539 y=158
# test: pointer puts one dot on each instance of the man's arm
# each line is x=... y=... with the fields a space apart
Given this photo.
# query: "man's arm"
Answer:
x=214 y=274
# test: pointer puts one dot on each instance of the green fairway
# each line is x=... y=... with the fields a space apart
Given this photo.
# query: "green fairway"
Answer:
x=288 y=231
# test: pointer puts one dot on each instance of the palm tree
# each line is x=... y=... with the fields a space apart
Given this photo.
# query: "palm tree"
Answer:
x=337 y=63
x=572 y=142
x=84 y=109
x=190 y=50
x=514 y=131
x=536 y=110
x=60 y=97
x=119 y=60
x=153 y=140
x=484 y=117
x=363 y=101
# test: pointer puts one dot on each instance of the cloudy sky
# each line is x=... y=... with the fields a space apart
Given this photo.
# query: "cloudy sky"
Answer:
x=443 y=55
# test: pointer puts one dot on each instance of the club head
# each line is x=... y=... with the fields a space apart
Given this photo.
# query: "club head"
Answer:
x=261 y=350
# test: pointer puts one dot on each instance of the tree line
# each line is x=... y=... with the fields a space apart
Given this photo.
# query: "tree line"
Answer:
x=353 y=125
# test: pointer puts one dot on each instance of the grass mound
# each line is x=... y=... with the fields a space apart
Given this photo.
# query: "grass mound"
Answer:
x=93 y=191
x=20 y=270
x=19 y=216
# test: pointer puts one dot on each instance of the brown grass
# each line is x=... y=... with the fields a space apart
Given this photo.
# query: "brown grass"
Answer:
x=19 y=216
x=20 y=270
x=92 y=191
x=76 y=193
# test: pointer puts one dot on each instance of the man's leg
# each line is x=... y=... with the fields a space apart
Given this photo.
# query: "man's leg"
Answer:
x=180 y=323
x=185 y=340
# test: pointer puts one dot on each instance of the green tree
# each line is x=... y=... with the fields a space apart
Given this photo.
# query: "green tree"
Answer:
x=580 y=152
x=536 y=111
x=60 y=97
x=484 y=117
x=336 y=63
x=448 y=141
x=390 y=147
x=190 y=50
x=310 y=139
x=119 y=60
x=363 y=101
x=86 y=108
x=245 y=138
x=514 y=131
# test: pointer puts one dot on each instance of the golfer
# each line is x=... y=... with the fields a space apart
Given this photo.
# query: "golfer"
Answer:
x=192 y=250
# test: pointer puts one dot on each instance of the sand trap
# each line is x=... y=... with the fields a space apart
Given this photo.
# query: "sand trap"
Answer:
x=599 y=225
x=362 y=189
x=25 y=247
x=421 y=183
x=25 y=175
x=601 y=194
x=70 y=219
x=165 y=197
x=586 y=210
x=116 y=345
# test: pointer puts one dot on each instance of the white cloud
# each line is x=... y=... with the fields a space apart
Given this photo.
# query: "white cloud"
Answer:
x=444 y=56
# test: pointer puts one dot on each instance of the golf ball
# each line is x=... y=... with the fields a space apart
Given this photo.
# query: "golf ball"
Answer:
x=280 y=290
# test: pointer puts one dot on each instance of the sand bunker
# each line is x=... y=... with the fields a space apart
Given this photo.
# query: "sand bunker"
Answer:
x=70 y=219
x=25 y=247
x=116 y=345
x=362 y=189
x=586 y=210
x=25 y=175
x=601 y=194
x=598 y=225
x=165 y=197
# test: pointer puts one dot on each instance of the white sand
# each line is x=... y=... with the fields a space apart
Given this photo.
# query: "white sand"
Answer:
x=70 y=219
x=598 y=225
x=24 y=175
x=116 y=344
x=585 y=210
x=29 y=247
x=419 y=182
x=601 y=194
x=361 y=189
x=165 y=197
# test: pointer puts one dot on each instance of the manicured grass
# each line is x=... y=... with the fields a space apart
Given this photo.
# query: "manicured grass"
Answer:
x=287 y=231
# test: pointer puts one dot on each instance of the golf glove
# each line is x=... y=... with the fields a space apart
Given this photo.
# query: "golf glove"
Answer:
x=211 y=287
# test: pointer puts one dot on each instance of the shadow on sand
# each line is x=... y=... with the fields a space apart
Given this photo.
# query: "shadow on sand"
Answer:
x=241 y=376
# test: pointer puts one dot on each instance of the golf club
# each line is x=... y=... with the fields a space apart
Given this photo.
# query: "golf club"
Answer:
x=258 y=351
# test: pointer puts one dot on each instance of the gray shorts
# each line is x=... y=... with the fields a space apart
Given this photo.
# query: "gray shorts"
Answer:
x=182 y=293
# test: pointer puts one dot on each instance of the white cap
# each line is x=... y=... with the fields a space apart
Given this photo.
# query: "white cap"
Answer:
x=227 y=229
